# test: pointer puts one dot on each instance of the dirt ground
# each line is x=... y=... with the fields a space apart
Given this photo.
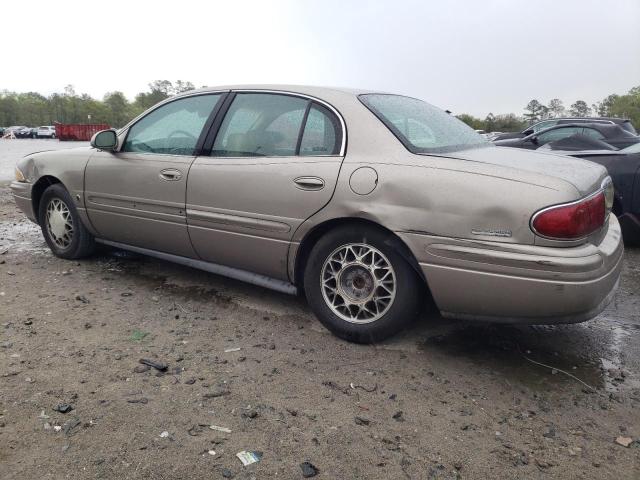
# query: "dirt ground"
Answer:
x=443 y=400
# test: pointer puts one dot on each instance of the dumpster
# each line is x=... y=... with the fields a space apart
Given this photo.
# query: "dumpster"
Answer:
x=76 y=131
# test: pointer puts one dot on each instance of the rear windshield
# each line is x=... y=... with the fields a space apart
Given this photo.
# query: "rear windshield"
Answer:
x=422 y=128
x=628 y=126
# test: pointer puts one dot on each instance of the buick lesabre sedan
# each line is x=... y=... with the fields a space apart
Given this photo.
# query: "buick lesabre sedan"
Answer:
x=366 y=202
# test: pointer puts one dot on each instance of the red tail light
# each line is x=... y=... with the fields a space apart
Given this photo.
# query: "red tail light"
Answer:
x=572 y=220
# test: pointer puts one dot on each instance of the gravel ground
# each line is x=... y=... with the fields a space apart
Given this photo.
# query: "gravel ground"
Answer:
x=443 y=400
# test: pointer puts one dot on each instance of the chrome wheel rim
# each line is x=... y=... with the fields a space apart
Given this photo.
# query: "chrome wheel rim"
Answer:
x=59 y=223
x=358 y=283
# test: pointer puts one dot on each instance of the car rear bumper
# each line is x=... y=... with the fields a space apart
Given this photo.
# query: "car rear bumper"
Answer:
x=512 y=283
x=22 y=196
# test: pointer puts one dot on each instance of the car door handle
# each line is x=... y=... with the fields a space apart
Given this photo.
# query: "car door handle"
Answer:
x=309 y=183
x=170 y=174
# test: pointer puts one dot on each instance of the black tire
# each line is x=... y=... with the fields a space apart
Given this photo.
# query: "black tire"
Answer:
x=81 y=243
x=403 y=309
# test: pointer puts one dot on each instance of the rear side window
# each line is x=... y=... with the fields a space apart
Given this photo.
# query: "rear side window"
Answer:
x=173 y=128
x=421 y=127
x=628 y=126
x=592 y=133
x=321 y=134
x=261 y=124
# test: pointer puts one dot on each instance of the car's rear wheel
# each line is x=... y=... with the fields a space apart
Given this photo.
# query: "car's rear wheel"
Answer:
x=359 y=285
x=61 y=225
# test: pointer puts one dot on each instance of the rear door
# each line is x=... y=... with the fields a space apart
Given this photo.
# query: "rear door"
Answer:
x=136 y=195
x=273 y=163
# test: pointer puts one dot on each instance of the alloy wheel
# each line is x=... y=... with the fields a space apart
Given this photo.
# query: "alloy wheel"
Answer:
x=358 y=283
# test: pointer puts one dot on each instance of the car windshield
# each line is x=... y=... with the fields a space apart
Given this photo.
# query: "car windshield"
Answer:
x=422 y=128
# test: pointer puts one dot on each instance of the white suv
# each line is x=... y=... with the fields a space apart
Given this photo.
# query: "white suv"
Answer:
x=48 y=131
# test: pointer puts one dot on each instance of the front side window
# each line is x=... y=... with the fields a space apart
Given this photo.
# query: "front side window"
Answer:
x=260 y=124
x=542 y=125
x=321 y=134
x=421 y=127
x=557 y=134
x=173 y=128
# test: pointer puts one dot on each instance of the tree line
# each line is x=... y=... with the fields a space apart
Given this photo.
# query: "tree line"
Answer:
x=621 y=106
x=33 y=109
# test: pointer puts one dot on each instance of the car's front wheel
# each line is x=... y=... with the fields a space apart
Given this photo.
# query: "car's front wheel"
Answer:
x=360 y=286
x=61 y=225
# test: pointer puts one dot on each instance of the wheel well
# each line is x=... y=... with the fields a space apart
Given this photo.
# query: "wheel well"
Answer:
x=38 y=189
x=317 y=232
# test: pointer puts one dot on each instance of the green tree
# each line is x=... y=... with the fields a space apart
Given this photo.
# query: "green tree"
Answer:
x=535 y=110
x=118 y=109
x=580 y=109
x=556 y=108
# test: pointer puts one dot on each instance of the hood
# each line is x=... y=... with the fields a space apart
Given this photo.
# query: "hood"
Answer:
x=585 y=176
x=509 y=142
x=508 y=135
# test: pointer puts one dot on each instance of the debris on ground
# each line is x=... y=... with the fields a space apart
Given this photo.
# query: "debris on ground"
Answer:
x=82 y=298
x=247 y=458
x=70 y=425
x=164 y=434
x=624 y=441
x=157 y=365
x=365 y=388
x=309 y=469
x=220 y=429
x=234 y=349
x=63 y=408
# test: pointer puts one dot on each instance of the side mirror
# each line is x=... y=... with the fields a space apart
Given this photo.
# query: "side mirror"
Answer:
x=105 y=140
x=534 y=139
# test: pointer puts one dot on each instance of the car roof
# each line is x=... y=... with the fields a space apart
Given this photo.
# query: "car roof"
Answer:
x=609 y=129
x=310 y=90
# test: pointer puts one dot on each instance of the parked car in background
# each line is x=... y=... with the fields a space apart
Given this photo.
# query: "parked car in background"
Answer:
x=543 y=125
x=610 y=133
x=15 y=129
x=2 y=131
x=47 y=131
x=624 y=169
x=22 y=132
x=261 y=184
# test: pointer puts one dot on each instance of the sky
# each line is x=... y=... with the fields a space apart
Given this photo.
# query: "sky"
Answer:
x=467 y=56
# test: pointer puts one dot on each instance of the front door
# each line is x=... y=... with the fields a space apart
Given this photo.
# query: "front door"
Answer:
x=136 y=195
x=274 y=163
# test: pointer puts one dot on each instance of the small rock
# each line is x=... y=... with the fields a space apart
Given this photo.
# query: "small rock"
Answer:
x=250 y=414
x=164 y=434
x=362 y=421
x=226 y=473
x=398 y=416
x=309 y=470
x=63 y=408
x=141 y=368
x=190 y=381
x=624 y=441
x=82 y=298
x=216 y=393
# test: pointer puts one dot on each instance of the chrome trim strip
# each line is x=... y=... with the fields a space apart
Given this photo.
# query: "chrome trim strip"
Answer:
x=568 y=204
x=237 y=221
x=229 y=272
